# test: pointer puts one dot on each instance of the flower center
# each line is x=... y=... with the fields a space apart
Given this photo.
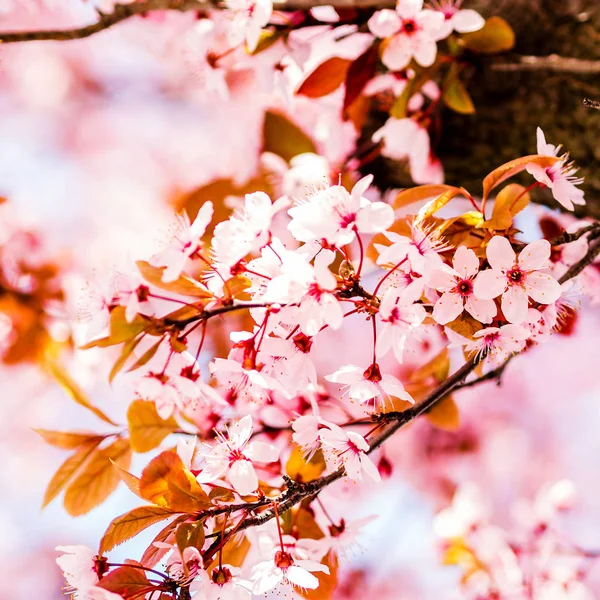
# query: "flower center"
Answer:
x=373 y=373
x=221 y=576
x=409 y=26
x=283 y=560
x=347 y=220
x=516 y=276
x=465 y=287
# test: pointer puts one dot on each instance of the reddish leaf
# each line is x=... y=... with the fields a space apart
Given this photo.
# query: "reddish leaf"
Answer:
x=326 y=78
x=129 y=582
x=359 y=73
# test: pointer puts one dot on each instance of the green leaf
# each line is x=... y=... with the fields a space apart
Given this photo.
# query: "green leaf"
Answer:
x=284 y=138
x=457 y=98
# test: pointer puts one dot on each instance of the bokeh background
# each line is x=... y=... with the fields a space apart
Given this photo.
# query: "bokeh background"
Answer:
x=100 y=141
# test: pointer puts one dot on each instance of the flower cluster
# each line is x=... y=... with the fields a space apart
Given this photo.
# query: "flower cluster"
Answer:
x=263 y=424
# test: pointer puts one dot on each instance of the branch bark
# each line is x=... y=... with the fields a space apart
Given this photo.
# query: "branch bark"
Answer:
x=553 y=63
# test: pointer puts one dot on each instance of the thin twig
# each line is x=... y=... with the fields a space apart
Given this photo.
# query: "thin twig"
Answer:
x=591 y=103
x=552 y=62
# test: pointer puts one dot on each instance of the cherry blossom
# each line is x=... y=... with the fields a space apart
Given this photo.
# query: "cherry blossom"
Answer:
x=233 y=456
x=350 y=450
x=365 y=385
x=224 y=583
x=456 y=285
x=186 y=242
x=249 y=18
x=400 y=317
x=335 y=215
x=457 y=19
x=559 y=177
x=284 y=569
x=411 y=32
x=517 y=278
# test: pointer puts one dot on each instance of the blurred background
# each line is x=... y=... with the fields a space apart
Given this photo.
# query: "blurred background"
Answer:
x=100 y=141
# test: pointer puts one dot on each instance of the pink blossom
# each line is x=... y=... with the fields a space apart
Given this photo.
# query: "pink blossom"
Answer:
x=560 y=177
x=400 y=317
x=517 y=278
x=186 y=241
x=411 y=33
x=364 y=386
x=284 y=569
x=247 y=230
x=233 y=456
x=407 y=139
x=421 y=250
x=456 y=285
x=457 y=19
x=224 y=583
x=496 y=344
x=335 y=215
x=249 y=18
x=350 y=450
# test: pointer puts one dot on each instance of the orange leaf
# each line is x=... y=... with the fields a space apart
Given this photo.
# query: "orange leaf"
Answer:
x=184 y=285
x=153 y=554
x=326 y=78
x=495 y=37
x=167 y=483
x=327 y=583
x=299 y=469
x=67 y=471
x=418 y=194
x=128 y=582
x=511 y=168
x=130 y=524
x=98 y=478
x=444 y=415
x=68 y=440
x=437 y=203
x=130 y=480
x=146 y=428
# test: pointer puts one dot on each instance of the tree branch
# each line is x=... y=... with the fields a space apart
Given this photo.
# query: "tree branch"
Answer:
x=552 y=62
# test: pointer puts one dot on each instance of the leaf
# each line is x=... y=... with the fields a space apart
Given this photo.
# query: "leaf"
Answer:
x=65 y=381
x=437 y=203
x=465 y=325
x=146 y=428
x=146 y=357
x=301 y=470
x=167 y=483
x=457 y=98
x=67 y=471
x=510 y=200
x=121 y=330
x=130 y=480
x=494 y=37
x=190 y=535
x=511 y=168
x=327 y=583
x=284 y=138
x=326 y=78
x=399 y=109
x=360 y=71
x=126 y=352
x=438 y=367
x=68 y=440
x=305 y=525
x=222 y=494
x=153 y=554
x=126 y=526
x=128 y=582
x=236 y=287
x=184 y=285
x=444 y=415
x=418 y=194
x=98 y=478
x=267 y=38
x=234 y=552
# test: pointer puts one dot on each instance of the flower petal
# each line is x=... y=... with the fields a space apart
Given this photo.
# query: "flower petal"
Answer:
x=482 y=310
x=535 y=255
x=447 y=308
x=465 y=262
x=242 y=477
x=515 y=304
x=489 y=284
x=542 y=288
x=500 y=254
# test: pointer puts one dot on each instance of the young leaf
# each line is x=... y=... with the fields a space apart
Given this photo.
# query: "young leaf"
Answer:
x=121 y=330
x=130 y=480
x=68 y=440
x=510 y=200
x=511 y=168
x=184 y=285
x=146 y=429
x=190 y=535
x=444 y=415
x=457 y=98
x=65 y=381
x=98 y=479
x=146 y=357
x=153 y=554
x=437 y=203
x=326 y=78
x=130 y=524
x=128 y=582
x=327 y=583
x=299 y=469
x=359 y=73
x=67 y=471
x=495 y=37
x=284 y=138
x=418 y=194
x=234 y=552
x=126 y=352
x=167 y=483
